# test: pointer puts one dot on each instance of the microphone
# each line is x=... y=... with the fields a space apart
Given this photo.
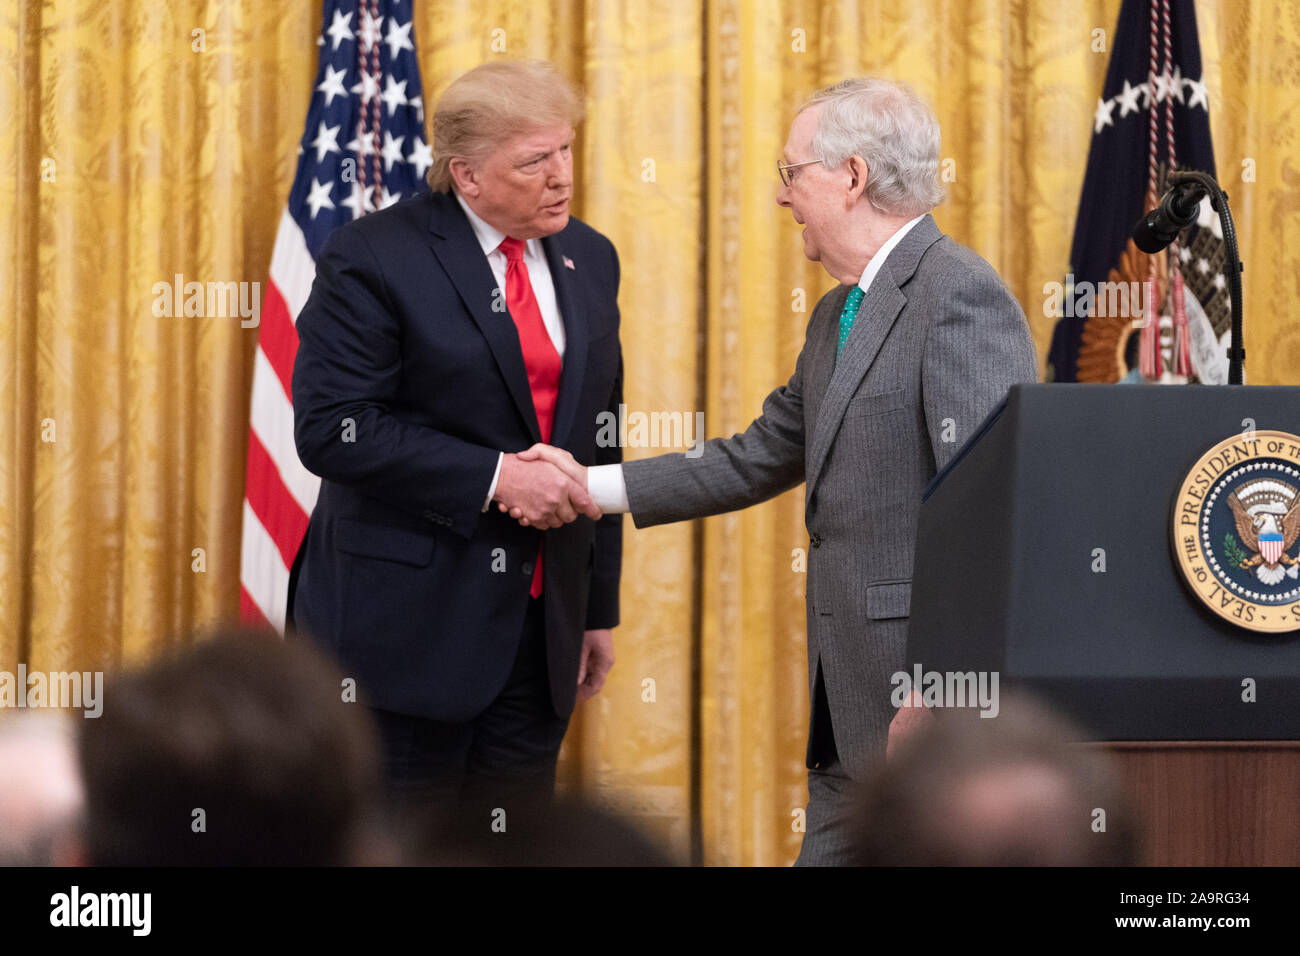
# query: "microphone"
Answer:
x=1177 y=210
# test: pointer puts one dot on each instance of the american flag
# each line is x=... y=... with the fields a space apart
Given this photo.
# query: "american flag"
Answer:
x=363 y=149
x=1153 y=112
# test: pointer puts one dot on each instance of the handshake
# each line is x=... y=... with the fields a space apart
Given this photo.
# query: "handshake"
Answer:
x=544 y=487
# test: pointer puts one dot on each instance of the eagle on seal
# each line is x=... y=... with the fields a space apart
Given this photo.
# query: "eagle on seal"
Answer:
x=1269 y=532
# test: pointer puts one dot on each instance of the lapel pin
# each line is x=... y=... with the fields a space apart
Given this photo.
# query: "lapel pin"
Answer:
x=568 y=263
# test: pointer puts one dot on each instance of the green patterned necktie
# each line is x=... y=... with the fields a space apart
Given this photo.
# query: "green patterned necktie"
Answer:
x=848 y=315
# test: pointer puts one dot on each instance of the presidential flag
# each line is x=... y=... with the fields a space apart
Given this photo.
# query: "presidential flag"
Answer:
x=363 y=149
x=1125 y=315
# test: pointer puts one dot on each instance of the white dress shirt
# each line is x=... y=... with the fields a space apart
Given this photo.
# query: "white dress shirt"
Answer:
x=539 y=275
x=605 y=482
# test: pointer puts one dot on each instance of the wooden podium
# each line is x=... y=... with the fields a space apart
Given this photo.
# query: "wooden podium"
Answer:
x=1053 y=550
x=1226 y=803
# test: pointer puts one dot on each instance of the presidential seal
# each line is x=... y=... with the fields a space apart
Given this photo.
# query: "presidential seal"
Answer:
x=1235 y=526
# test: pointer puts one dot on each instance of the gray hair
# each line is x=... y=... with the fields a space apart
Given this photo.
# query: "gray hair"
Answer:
x=891 y=128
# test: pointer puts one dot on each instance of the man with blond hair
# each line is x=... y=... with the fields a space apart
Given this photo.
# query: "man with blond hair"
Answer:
x=443 y=335
x=901 y=363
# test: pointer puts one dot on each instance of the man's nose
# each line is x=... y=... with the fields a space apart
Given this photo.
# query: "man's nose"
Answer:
x=561 y=176
x=783 y=195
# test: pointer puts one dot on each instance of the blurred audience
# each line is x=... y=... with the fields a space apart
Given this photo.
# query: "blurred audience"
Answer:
x=540 y=830
x=40 y=789
x=241 y=749
x=237 y=750
x=1018 y=789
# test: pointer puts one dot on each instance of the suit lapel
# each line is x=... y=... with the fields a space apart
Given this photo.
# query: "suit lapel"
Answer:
x=821 y=362
x=876 y=315
x=461 y=256
x=569 y=298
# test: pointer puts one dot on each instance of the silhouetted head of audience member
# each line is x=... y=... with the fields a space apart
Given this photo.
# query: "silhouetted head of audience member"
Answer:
x=537 y=830
x=1018 y=789
x=238 y=750
x=40 y=789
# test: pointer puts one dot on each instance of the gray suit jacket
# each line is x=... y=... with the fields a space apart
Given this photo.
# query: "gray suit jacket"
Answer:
x=937 y=342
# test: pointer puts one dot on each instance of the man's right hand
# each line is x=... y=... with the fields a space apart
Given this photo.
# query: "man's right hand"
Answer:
x=542 y=494
x=560 y=459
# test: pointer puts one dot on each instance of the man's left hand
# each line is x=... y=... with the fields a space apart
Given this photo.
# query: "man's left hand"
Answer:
x=596 y=661
x=907 y=721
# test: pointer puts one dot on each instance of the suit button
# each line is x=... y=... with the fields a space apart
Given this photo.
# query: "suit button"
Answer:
x=816 y=540
x=526 y=567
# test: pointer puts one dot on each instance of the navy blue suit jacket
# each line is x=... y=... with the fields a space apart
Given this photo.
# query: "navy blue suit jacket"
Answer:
x=406 y=386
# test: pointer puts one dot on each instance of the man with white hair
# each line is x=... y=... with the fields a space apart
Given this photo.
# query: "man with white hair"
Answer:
x=901 y=363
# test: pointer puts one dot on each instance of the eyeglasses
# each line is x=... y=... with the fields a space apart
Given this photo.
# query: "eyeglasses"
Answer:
x=788 y=178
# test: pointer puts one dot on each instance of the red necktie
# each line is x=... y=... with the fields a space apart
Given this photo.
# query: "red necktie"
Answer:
x=540 y=357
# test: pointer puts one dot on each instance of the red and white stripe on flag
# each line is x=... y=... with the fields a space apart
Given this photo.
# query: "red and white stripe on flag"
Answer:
x=280 y=493
x=365 y=46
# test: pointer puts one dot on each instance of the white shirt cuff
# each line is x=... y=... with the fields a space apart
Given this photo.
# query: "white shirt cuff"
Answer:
x=606 y=486
x=492 y=490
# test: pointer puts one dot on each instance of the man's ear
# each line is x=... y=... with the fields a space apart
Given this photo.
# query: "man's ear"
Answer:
x=857 y=179
x=464 y=176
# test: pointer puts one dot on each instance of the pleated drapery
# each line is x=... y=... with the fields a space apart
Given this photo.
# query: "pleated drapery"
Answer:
x=135 y=157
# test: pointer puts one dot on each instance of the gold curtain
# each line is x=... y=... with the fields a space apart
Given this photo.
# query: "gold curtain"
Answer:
x=136 y=156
